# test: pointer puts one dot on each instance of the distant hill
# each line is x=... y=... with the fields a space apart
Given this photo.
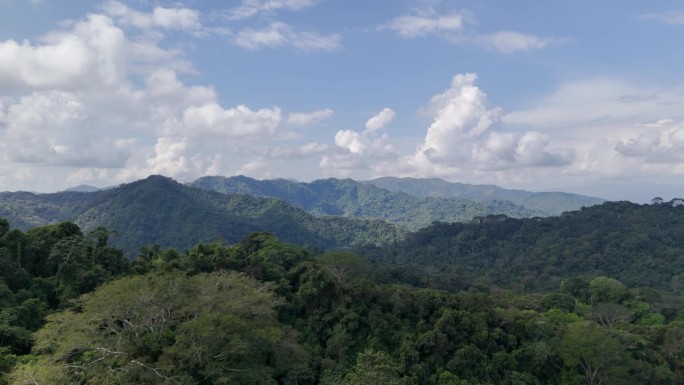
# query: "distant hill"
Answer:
x=545 y=203
x=83 y=188
x=640 y=245
x=160 y=210
x=348 y=198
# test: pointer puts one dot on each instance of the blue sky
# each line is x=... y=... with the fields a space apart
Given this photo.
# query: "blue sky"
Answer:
x=579 y=96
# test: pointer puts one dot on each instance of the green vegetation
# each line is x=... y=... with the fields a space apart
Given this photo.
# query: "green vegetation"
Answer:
x=353 y=199
x=639 y=245
x=265 y=312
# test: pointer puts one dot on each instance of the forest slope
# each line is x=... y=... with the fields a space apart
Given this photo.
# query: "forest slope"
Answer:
x=640 y=245
x=349 y=198
x=544 y=203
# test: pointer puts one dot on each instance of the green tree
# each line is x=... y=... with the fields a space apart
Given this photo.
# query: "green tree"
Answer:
x=604 y=289
x=347 y=268
x=214 y=328
x=599 y=358
x=373 y=368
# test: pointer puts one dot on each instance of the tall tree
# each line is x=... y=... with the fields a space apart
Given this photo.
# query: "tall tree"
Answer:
x=214 y=328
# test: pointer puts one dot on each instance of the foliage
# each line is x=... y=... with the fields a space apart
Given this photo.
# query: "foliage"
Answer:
x=215 y=328
x=638 y=245
x=263 y=311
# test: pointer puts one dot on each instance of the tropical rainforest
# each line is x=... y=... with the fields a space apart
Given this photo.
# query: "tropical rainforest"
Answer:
x=594 y=296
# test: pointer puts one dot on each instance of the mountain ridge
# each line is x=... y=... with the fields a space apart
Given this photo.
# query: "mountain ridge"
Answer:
x=550 y=203
x=350 y=198
x=160 y=210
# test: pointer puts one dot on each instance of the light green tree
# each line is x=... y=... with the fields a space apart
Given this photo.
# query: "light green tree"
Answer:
x=373 y=368
x=217 y=328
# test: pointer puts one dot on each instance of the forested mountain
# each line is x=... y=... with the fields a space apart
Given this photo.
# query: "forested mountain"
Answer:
x=545 y=203
x=160 y=210
x=349 y=198
x=641 y=245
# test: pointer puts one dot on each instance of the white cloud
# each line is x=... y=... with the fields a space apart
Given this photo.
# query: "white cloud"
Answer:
x=672 y=17
x=97 y=104
x=598 y=101
x=462 y=141
x=361 y=150
x=250 y=8
x=93 y=53
x=428 y=23
x=461 y=112
x=237 y=122
x=383 y=118
x=296 y=152
x=615 y=128
x=166 y=18
x=353 y=141
x=55 y=128
x=279 y=34
x=644 y=144
x=510 y=42
x=304 y=119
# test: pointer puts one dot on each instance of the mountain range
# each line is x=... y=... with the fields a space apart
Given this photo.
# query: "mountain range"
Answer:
x=162 y=211
x=325 y=214
x=544 y=203
x=413 y=203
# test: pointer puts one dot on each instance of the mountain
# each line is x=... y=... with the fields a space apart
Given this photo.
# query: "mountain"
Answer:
x=83 y=188
x=353 y=199
x=545 y=203
x=640 y=245
x=160 y=210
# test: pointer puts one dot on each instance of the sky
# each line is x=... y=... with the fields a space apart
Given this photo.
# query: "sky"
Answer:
x=577 y=96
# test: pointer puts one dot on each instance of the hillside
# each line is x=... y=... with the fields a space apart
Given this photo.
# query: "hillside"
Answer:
x=160 y=210
x=640 y=245
x=353 y=199
x=545 y=203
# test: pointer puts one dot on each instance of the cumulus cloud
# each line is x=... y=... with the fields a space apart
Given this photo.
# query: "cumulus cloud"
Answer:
x=238 y=122
x=249 y=8
x=663 y=143
x=82 y=101
x=93 y=53
x=644 y=144
x=428 y=22
x=54 y=128
x=464 y=139
x=304 y=119
x=460 y=114
x=511 y=41
x=383 y=118
x=361 y=149
x=279 y=34
x=615 y=128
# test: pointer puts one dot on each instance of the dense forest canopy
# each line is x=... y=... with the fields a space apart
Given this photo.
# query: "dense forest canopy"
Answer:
x=76 y=310
x=641 y=245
